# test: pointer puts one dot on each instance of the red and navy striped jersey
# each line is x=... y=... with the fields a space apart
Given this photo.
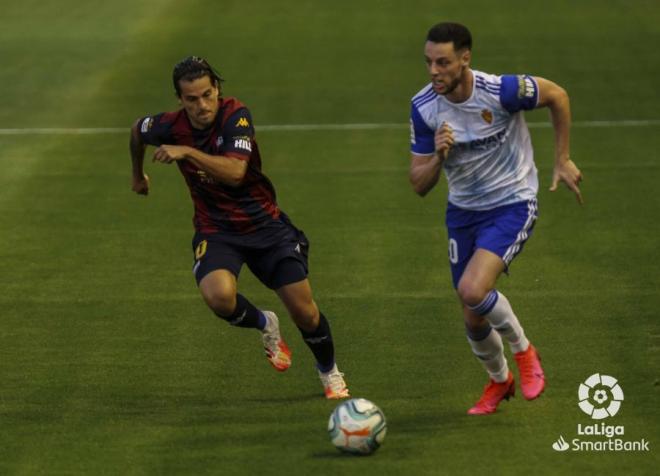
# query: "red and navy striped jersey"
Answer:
x=219 y=208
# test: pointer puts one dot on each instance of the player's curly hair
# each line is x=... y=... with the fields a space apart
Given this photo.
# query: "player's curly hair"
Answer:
x=191 y=68
x=451 y=32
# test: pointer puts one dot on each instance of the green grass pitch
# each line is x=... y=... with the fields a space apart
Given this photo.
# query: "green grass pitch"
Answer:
x=111 y=364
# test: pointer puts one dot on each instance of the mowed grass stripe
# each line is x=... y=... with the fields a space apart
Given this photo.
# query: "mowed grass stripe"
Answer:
x=114 y=380
x=315 y=127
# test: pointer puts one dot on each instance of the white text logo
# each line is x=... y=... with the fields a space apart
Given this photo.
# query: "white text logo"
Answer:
x=243 y=144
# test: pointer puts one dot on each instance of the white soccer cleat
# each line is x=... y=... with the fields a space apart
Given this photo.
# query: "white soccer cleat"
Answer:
x=277 y=351
x=334 y=384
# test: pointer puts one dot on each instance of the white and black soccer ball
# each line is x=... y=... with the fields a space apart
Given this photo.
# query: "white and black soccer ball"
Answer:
x=357 y=426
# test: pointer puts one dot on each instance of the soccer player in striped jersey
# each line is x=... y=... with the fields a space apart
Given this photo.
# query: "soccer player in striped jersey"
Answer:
x=237 y=219
x=471 y=124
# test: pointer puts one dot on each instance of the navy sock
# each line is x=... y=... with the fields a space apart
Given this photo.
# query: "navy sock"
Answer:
x=245 y=315
x=321 y=345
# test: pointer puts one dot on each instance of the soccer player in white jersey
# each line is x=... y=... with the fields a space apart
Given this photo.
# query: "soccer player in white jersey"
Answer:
x=471 y=125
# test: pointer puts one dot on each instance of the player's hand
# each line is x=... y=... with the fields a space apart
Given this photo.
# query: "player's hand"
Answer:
x=566 y=171
x=444 y=140
x=141 y=185
x=167 y=154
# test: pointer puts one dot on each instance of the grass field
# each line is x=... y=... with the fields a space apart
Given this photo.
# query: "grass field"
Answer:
x=110 y=363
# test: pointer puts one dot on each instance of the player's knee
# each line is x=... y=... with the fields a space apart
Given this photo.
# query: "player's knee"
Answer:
x=470 y=292
x=221 y=302
x=305 y=315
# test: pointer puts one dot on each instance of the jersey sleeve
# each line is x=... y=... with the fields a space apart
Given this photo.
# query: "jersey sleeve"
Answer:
x=154 y=130
x=518 y=92
x=421 y=135
x=238 y=135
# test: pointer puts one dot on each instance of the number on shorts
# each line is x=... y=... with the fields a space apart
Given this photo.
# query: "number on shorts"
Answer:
x=453 y=251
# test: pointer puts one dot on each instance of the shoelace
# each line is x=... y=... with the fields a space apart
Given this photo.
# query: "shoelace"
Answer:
x=271 y=340
x=490 y=391
x=527 y=367
x=336 y=381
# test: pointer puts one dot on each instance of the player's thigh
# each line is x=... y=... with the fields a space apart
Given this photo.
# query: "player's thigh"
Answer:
x=480 y=276
x=498 y=240
x=281 y=263
x=461 y=247
x=216 y=269
x=508 y=230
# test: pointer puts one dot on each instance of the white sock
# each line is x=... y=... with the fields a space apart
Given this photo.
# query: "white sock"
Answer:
x=490 y=352
x=504 y=321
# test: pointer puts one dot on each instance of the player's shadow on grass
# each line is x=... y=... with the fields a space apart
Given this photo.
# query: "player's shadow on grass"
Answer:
x=335 y=454
x=450 y=420
x=407 y=429
x=284 y=398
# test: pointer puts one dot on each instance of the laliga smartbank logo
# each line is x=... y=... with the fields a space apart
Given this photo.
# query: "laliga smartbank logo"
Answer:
x=600 y=397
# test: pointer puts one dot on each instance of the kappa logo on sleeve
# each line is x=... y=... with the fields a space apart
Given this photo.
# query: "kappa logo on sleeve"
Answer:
x=412 y=132
x=146 y=125
x=243 y=122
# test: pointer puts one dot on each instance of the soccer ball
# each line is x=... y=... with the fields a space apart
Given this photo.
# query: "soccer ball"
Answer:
x=357 y=426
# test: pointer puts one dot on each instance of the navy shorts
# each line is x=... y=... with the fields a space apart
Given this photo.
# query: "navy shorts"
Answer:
x=276 y=256
x=502 y=230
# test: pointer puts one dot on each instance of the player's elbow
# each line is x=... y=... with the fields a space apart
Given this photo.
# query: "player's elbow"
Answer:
x=135 y=127
x=135 y=132
x=560 y=95
x=557 y=97
x=420 y=188
x=420 y=184
x=237 y=174
x=233 y=181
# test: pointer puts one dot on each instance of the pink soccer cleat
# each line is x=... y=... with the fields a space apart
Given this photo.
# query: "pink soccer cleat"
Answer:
x=493 y=394
x=532 y=379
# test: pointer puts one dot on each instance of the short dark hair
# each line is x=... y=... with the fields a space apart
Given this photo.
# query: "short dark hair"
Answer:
x=191 y=68
x=447 y=32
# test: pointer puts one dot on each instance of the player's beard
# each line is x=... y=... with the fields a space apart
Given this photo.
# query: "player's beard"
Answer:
x=452 y=86
x=205 y=118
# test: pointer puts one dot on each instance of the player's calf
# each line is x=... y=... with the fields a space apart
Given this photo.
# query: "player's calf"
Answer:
x=320 y=343
x=244 y=314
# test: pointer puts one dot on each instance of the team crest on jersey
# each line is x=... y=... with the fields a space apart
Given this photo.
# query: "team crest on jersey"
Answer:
x=204 y=177
x=242 y=122
x=487 y=116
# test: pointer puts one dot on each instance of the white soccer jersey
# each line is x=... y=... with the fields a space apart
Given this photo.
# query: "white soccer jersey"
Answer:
x=491 y=163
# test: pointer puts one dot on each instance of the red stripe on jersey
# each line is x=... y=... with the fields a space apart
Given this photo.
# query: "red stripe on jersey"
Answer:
x=267 y=202
x=182 y=129
x=236 y=155
x=220 y=208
